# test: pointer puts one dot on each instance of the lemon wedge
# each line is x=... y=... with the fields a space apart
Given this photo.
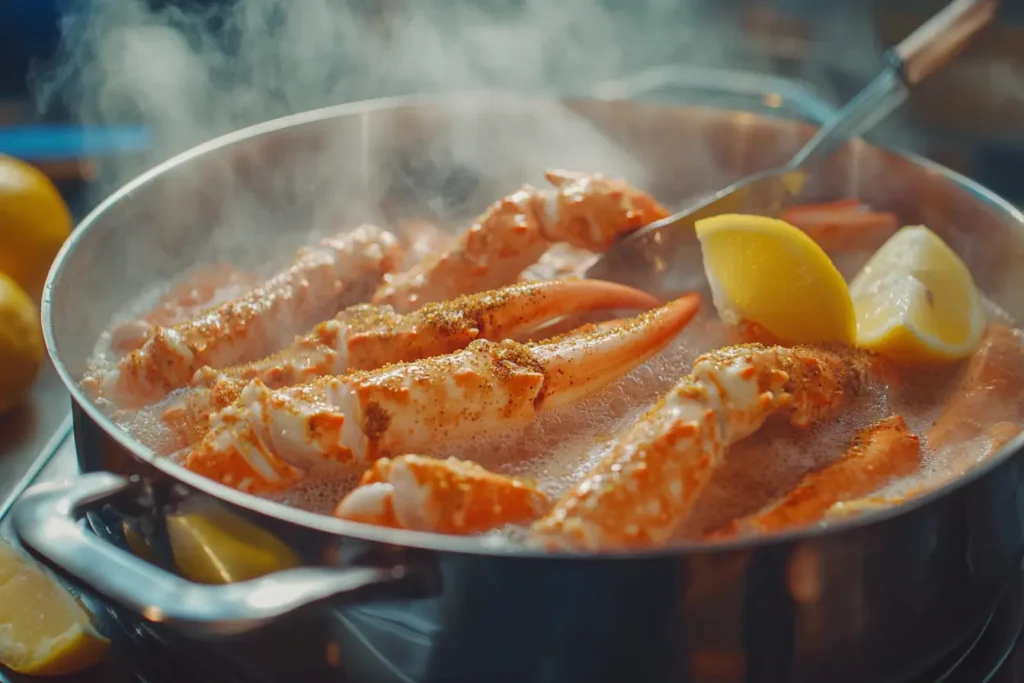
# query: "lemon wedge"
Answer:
x=766 y=271
x=916 y=301
x=219 y=547
x=44 y=631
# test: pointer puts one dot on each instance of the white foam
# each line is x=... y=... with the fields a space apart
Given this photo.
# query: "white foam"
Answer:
x=561 y=446
x=104 y=356
x=763 y=467
x=318 y=492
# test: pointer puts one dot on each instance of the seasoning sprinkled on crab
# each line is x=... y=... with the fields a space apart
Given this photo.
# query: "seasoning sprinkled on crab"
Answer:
x=645 y=487
x=321 y=280
x=267 y=438
x=201 y=289
x=366 y=337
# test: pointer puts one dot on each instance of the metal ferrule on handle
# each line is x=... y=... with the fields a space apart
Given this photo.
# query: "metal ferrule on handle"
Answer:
x=872 y=105
x=919 y=55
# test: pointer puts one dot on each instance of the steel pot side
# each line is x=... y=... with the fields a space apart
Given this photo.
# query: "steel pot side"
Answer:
x=802 y=603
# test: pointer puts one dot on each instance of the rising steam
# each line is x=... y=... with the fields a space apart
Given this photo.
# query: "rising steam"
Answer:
x=202 y=69
x=198 y=69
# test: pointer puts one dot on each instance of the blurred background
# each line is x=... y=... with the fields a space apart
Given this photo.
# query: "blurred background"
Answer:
x=161 y=75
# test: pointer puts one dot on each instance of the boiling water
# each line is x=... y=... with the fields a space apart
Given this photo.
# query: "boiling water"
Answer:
x=765 y=466
x=146 y=425
x=561 y=446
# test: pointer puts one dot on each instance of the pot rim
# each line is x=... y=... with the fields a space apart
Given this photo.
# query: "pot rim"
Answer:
x=425 y=540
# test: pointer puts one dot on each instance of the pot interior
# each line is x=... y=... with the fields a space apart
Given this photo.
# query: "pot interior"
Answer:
x=251 y=197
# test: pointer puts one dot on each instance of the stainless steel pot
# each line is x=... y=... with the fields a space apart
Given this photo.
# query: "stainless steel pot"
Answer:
x=871 y=599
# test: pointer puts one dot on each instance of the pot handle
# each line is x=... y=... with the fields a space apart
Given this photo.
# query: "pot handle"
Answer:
x=46 y=520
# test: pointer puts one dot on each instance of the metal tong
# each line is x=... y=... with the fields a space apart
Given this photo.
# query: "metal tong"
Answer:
x=664 y=257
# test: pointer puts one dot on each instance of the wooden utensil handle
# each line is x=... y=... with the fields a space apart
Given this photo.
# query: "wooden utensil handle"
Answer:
x=943 y=36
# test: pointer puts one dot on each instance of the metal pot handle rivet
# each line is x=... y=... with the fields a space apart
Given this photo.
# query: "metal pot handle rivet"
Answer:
x=46 y=520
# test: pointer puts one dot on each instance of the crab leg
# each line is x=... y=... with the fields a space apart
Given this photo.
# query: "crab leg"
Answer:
x=645 y=487
x=199 y=290
x=972 y=454
x=880 y=454
x=587 y=211
x=989 y=392
x=366 y=337
x=267 y=438
x=844 y=225
x=992 y=441
x=441 y=496
x=316 y=285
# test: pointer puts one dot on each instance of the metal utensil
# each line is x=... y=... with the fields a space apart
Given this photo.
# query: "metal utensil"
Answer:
x=664 y=257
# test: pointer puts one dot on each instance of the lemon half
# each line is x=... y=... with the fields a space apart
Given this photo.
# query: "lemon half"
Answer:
x=916 y=301
x=44 y=631
x=767 y=271
x=21 y=344
x=34 y=222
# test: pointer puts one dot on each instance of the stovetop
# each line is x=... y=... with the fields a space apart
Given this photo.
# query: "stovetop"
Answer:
x=994 y=655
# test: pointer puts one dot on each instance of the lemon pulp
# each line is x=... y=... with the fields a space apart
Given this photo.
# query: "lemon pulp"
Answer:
x=916 y=302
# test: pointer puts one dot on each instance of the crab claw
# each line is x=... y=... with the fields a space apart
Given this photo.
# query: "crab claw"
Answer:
x=366 y=337
x=580 y=364
x=441 y=496
x=586 y=211
x=593 y=211
x=352 y=420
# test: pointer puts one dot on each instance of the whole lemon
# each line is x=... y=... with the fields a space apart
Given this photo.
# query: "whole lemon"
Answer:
x=21 y=344
x=34 y=222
